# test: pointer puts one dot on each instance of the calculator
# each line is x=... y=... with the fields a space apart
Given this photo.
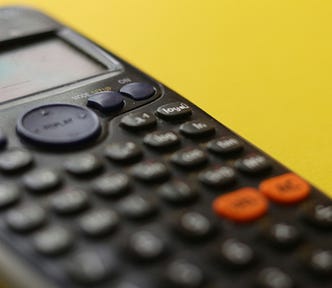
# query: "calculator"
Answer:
x=110 y=179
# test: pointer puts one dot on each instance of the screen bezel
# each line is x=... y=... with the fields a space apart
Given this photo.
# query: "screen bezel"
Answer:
x=83 y=45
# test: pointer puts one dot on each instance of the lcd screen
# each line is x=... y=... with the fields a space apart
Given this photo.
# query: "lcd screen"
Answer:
x=42 y=65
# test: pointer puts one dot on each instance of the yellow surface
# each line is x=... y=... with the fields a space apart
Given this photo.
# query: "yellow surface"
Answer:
x=262 y=67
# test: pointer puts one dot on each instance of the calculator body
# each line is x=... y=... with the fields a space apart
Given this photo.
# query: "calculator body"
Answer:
x=83 y=132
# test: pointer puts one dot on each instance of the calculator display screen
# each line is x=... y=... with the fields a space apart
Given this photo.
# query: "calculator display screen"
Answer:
x=38 y=66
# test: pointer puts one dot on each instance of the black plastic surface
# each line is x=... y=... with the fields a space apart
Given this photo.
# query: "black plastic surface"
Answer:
x=146 y=192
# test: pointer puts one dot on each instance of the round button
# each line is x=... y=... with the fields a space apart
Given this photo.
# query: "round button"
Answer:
x=193 y=226
x=145 y=246
x=234 y=253
x=106 y=101
x=182 y=273
x=138 y=90
x=59 y=125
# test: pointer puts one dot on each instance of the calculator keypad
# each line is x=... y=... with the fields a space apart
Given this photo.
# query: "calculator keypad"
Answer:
x=15 y=160
x=138 y=120
x=123 y=151
x=169 y=198
x=253 y=164
x=178 y=192
x=183 y=274
x=234 y=253
x=273 y=277
x=99 y=223
x=318 y=214
x=282 y=235
x=82 y=165
x=145 y=246
x=225 y=145
x=69 y=201
x=9 y=194
x=189 y=157
x=26 y=218
x=112 y=185
x=137 y=207
x=243 y=205
x=174 y=111
x=138 y=90
x=160 y=140
x=90 y=268
x=41 y=180
x=53 y=241
x=197 y=128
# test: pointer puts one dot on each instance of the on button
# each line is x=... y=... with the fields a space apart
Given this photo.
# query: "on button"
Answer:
x=138 y=90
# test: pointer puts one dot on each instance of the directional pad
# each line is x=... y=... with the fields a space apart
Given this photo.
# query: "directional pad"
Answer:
x=59 y=125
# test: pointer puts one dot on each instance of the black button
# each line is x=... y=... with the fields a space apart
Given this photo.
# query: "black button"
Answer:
x=90 y=267
x=130 y=284
x=319 y=261
x=83 y=165
x=161 y=139
x=3 y=140
x=112 y=185
x=183 y=274
x=273 y=277
x=281 y=235
x=197 y=128
x=145 y=246
x=234 y=253
x=99 y=222
x=193 y=225
x=137 y=207
x=59 y=125
x=123 y=151
x=217 y=176
x=318 y=214
x=177 y=192
x=41 y=180
x=69 y=200
x=174 y=111
x=53 y=241
x=253 y=164
x=15 y=160
x=150 y=171
x=138 y=120
x=189 y=157
x=9 y=194
x=225 y=145
x=106 y=101
x=138 y=90
x=26 y=218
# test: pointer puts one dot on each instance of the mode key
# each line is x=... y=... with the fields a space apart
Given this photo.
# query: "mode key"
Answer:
x=174 y=110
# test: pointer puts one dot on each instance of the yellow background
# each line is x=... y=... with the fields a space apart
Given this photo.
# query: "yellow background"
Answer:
x=262 y=67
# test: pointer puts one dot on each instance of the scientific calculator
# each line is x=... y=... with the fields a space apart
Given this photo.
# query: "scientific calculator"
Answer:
x=109 y=179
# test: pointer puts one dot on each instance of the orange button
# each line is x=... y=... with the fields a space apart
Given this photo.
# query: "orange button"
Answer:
x=286 y=189
x=243 y=205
